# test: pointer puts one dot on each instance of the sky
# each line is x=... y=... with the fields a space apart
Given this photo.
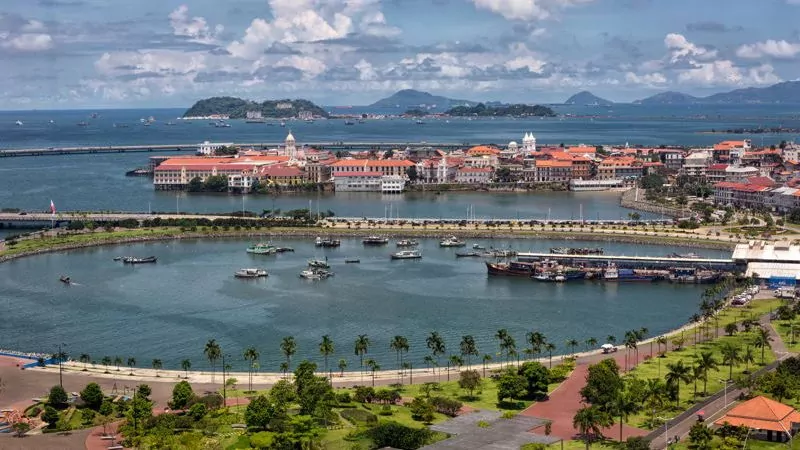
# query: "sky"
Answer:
x=58 y=54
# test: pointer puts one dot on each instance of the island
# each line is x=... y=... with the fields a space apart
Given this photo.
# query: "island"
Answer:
x=237 y=108
x=586 y=98
x=518 y=110
x=787 y=92
x=413 y=99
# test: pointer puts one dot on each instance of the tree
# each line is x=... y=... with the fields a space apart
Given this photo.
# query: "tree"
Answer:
x=106 y=361
x=50 y=416
x=485 y=359
x=374 y=367
x=131 y=362
x=502 y=338
x=549 y=346
x=412 y=174
x=399 y=344
x=731 y=329
x=216 y=183
x=195 y=185
x=87 y=418
x=157 y=365
x=510 y=385
x=421 y=409
x=469 y=380
x=326 y=348
x=700 y=436
x=706 y=362
x=468 y=348
x=748 y=358
x=572 y=343
x=186 y=365
x=259 y=413
x=678 y=372
x=591 y=343
x=436 y=345
x=730 y=356
x=250 y=355
x=342 y=365
x=589 y=421
x=603 y=383
x=85 y=359
x=623 y=405
x=314 y=394
x=20 y=428
x=213 y=352
x=92 y=395
x=780 y=384
x=361 y=347
x=288 y=348
x=57 y=397
x=762 y=341
x=537 y=378
x=117 y=362
x=182 y=393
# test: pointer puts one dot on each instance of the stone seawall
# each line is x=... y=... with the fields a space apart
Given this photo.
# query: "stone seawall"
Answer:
x=634 y=198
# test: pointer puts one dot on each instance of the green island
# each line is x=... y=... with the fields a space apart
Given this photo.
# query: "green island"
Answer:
x=237 y=108
x=517 y=110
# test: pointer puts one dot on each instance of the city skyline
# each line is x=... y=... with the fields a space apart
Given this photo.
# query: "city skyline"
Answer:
x=85 y=53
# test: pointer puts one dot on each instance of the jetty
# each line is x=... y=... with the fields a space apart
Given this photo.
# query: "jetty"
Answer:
x=634 y=261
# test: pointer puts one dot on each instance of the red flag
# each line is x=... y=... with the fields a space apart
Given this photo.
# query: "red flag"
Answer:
x=52 y=207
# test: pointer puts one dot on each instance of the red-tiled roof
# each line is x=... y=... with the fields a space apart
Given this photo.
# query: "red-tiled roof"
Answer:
x=372 y=163
x=761 y=181
x=718 y=167
x=359 y=174
x=761 y=413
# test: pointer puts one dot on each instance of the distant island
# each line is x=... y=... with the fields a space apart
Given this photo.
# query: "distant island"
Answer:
x=587 y=98
x=408 y=99
x=237 y=108
x=518 y=110
x=787 y=92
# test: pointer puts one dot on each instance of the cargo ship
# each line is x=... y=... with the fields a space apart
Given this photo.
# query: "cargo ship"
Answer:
x=512 y=269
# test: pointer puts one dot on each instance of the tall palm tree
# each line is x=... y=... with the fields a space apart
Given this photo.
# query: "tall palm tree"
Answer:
x=653 y=396
x=536 y=340
x=399 y=344
x=250 y=355
x=501 y=336
x=748 y=358
x=374 y=367
x=697 y=374
x=454 y=361
x=157 y=365
x=549 y=346
x=342 y=365
x=623 y=405
x=511 y=347
x=468 y=348
x=436 y=345
x=762 y=341
x=486 y=358
x=131 y=362
x=106 y=361
x=641 y=333
x=186 y=365
x=572 y=343
x=706 y=361
x=662 y=340
x=117 y=362
x=284 y=367
x=213 y=352
x=591 y=343
x=288 y=348
x=730 y=356
x=361 y=347
x=326 y=349
x=678 y=372
x=85 y=358
x=590 y=421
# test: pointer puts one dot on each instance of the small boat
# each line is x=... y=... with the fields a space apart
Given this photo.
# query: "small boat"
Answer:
x=691 y=255
x=375 y=240
x=18 y=123
x=544 y=276
x=132 y=260
x=512 y=268
x=478 y=247
x=283 y=124
x=420 y=122
x=284 y=249
x=250 y=273
x=407 y=254
x=316 y=274
x=327 y=242
x=119 y=258
x=83 y=124
x=65 y=279
x=452 y=241
x=262 y=249
x=349 y=122
x=352 y=260
x=468 y=255
x=319 y=263
x=407 y=243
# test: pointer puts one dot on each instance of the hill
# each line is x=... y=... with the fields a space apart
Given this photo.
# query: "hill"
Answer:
x=238 y=108
x=411 y=99
x=498 y=111
x=587 y=98
x=786 y=92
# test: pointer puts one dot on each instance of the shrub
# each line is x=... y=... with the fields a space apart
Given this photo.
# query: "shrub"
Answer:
x=446 y=406
x=483 y=424
x=386 y=410
x=50 y=416
x=393 y=434
x=182 y=394
x=197 y=411
x=559 y=373
x=359 y=416
x=92 y=395
x=211 y=401
x=262 y=440
x=57 y=397
x=364 y=394
x=344 y=397
x=509 y=414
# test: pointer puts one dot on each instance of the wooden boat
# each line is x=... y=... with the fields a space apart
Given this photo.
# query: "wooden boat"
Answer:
x=132 y=260
x=250 y=273
x=407 y=254
x=352 y=260
x=512 y=268
x=65 y=279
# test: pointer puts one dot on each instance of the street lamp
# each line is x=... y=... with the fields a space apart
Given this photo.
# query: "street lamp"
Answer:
x=60 y=356
x=224 y=383
x=666 y=429
x=725 y=392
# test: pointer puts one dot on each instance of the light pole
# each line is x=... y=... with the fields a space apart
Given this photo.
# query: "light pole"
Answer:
x=724 y=392
x=666 y=430
x=60 y=366
x=224 y=383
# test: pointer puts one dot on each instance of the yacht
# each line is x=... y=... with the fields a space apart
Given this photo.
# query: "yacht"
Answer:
x=262 y=249
x=318 y=263
x=375 y=240
x=327 y=242
x=407 y=254
x=452 y=241
x=250 y=273
x=407 y=243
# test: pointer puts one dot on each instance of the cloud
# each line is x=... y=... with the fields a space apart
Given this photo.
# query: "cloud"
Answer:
x=20 y=35
x=681 y=49
x=769 y=49
x=526 y=9
x=28 y=42
x=712 y=27
x=650 y=79
x=194 y=28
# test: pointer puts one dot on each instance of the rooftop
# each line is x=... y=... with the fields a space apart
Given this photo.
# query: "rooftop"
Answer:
x=761 y=413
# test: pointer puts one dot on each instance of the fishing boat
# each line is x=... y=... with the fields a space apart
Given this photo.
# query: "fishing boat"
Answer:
x=262 y=249
x=349 y=122
x=452 y=241
x=316 y=274
x=478 y=247
x=576 y=251
x=375 y=240
x=690 y=255
x=327 y=242
x=132 y=260
x=407 y=243
x=407 y=254
x=468 y=255
x=319 y=263
x=284 y=249
x=65 y=279
x=352 y=260
x=250 y=273
x=512 y=268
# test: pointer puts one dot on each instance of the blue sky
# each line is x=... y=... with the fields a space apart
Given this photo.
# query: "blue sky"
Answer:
x=149 y=53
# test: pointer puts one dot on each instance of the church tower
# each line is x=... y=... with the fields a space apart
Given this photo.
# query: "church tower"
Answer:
x=529 y=143
x=290 y=148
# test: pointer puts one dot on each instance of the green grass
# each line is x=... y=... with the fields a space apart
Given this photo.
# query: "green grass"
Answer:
x=784 y=329
x=752 y=444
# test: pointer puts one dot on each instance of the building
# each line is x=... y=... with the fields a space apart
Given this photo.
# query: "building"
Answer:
x=209 y=148
x=736 y=174
x=715 y=173
x=624 y=167
x=281 y=175
x=290 y=147
x=474 y=175
x=319 y=170
x=764 y=418
x=594 y=185
x=176 y=173
x=386 y=167
x=369 y=182
x=528 y=144
x=730 y=151
x=742 y=195
x=673 y=159
x=550 y=171
x=490 y=161
x=696 y=164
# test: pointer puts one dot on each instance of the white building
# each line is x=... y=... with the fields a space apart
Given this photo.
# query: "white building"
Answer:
x=528 y=143
x=209 y=148
x=290 y=148
x=367 y=181
x=736 y=174
x=695 y=164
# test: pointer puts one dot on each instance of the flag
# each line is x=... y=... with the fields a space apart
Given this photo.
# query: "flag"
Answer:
x=52 y=207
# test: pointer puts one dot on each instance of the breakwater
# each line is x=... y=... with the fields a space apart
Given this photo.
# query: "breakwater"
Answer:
x=635 y=199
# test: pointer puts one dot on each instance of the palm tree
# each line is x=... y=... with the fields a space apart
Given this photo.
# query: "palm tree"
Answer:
x=698 y=374
x=662 y=340
x=640 y=335
x=288 y=348
x=468 y=348
x=106 y=361
x=678 y=372
x=326 y=348
x=591 y=343
x=549 y=346
x=436 y=345
x=730 y=356
x=653 y=396
x=284 y=367
x=85 y=358
x=590 y=421
x=131 y=362
x=486 y=358
x=762 y=341
x=707 y=362
x=186 y=365
x=501 y=336
x=611 y=339
x=213 y=352
x=374 y=367
x=361 y=348
x=117 y=362
x=157 y=366
x=511 y=348
x=399 y=344
x=572 y=343
x=454 y=361
x=536 y=340
x=623 y=404
x=250 y=355
x=748 y=358
x=342 y=365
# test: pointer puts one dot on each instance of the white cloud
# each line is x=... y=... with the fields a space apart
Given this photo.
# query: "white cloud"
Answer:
x=194 y=28
x=531 y=63
x=311 y=67
x=649 y=79
x=526 y=9
x=27 y=42
x=680 y=48
x=769 y=48
x=725 y=73
x=162 y=62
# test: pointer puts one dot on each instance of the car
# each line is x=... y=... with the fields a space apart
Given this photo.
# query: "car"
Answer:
x=23 y=213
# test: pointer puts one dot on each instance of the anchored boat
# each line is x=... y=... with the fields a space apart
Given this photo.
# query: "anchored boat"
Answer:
x=375 y=240
x=318 y=263
x=262 y=249
x=407 y=254
x=407 y=243
x=452 y=241
x=65 y=279
x=250 y=273
x=132 y=260
x=327 y=242
x=316 y=274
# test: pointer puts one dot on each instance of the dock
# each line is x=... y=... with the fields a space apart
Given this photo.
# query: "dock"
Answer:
x=633 y=261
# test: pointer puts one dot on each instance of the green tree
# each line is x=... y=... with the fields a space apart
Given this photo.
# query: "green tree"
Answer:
x=468 y=348
x=731 y=329
x=412 y=174
x=421 y=409
x=20 y=428
x=87 y=418
x=342 y=365
x=549 y=346
x=537 y=378
x=186 y=365
x=573 y=344
x=259 y=413
x=250 y=355
x=730 y=356
x=677 y=373
x=50 y=416
x=157 y=365
x=57 y=397
x=469 y=380
x=131 y=362
x=748 y=358
x=436 y=345
x=502 y=338
x=700 y=436
x=623 y=405
x=106 y=361
x=361 y=348
x=117 y=362
x=706 y=361
x=326 y=349
x=399 y=344
x=603 y=383
x=762 y=341
x=213 y=353
x=85 y=359
x=195 y=185
x=216 y=183
x=288 y=348
x=182 y=394
x=92 y=396
x=373 y=367
x=591 y=343
x=590 y=421
x=510 y=385
x=485 y=360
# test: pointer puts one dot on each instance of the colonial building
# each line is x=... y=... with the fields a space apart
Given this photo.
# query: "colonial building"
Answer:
x=696 y=164
x=384 y=167
x=281 y=175
x=474 y=175
x=549 y=171
x=176 y=173
x=209 y=148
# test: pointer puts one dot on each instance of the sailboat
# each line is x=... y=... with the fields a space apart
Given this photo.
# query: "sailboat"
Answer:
x=18 y=123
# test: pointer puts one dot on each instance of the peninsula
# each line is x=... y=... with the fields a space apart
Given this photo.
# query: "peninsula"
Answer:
x=237 y=108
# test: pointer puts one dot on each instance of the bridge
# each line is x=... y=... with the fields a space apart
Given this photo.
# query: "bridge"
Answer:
x=145 y=148
x=634 y=261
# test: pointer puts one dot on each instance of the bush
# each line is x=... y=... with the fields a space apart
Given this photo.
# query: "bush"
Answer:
x=359 y=416
x=211 y=401
x=386 y=410
x=509 y=414
x=197 y=411
x=50 y=416
x=393 y=434
x=57 y=397
x=559 y=373
x=262 y=440
x=92 y=396
x=344 y=397
x=364 y=394
x=182 y=394
x=446 y=406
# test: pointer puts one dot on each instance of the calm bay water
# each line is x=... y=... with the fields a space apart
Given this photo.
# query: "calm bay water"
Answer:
x=170 y=309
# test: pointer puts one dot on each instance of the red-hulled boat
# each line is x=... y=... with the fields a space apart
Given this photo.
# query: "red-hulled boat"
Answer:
x=512 y=268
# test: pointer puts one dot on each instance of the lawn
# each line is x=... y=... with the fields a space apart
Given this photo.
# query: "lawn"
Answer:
x=784 y=329
x=484 y=398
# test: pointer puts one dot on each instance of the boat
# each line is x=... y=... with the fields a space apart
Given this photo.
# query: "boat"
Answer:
x=250 y=273
x=170 y=124
x=262 y=249
x=407 y=254
x=132 y=260
x=283 y=124
x=284 y=249
x=18 y=123
x=452 y=241
x=319 y=263
x=316 y=274
x=309 y=121
x=500 y=253
x=407 y=243
x=120 y=258
x=468 y=255
x=512 y=268
x=420 y=122
x=65 y=279
x=349 y=122
x=375 y=240
x=544 y=276
x=478 y=247
x=576 y=251
x=690 y=255
x=352 y=260
x=121 y=125
x=691 y=275
x=327 y=242
x=83 y=124
x=221 y=124
x=611 y=273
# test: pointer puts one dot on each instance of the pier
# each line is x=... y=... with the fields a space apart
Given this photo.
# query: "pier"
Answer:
x=633 y=262
x=145 y=148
